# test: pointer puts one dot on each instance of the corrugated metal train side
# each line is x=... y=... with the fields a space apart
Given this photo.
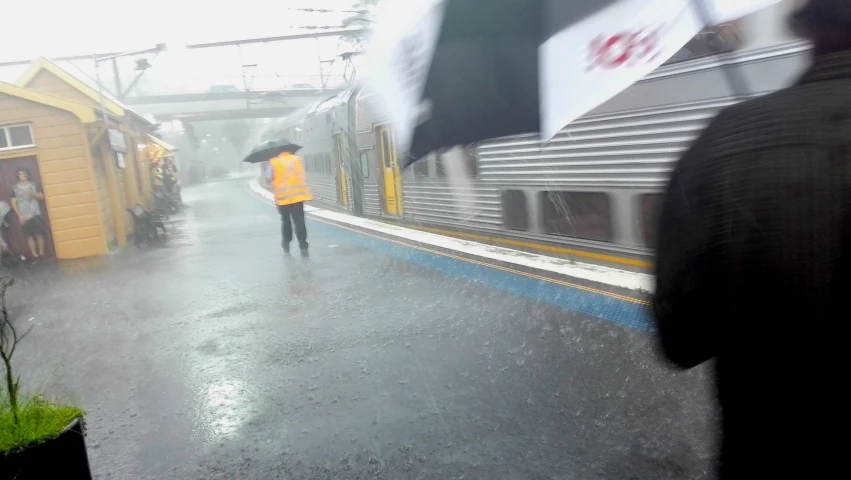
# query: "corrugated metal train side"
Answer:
x=591 y=193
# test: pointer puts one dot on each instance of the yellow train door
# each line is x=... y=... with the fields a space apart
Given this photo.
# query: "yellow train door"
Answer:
x=342 y=183
x=392 y=174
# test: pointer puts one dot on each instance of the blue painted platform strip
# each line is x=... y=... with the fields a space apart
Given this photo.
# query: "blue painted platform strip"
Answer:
x=619 y=311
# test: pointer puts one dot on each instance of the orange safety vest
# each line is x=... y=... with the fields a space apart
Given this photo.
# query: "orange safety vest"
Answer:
x=288 y=180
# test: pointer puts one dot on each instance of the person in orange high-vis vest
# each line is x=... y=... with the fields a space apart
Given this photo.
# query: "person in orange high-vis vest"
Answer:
x=289 y=183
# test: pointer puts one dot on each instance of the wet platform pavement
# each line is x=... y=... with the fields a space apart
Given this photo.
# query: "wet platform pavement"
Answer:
x=217 y=357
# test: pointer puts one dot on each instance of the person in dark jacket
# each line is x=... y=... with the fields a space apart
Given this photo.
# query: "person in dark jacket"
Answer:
x=754 y=263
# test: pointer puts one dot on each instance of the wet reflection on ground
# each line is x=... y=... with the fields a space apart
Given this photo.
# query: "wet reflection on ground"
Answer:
x=216 y=356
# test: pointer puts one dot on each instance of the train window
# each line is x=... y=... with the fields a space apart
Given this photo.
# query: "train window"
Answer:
x=440 y=167
x=328 y=167
x=364 y=165
x=308 y=163
x=514 y=210
x=468 y=157
x=577 y=214
x=471 y=160
x=650 y=205
x=723 y=38
x=421 y=167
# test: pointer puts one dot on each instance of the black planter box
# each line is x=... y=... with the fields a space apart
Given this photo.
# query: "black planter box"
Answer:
x=61 y=458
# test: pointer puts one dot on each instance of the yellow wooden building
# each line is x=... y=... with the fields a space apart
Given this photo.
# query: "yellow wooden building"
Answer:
x=91 y=171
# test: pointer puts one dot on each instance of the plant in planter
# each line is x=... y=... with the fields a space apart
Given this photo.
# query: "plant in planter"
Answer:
x=38 y=439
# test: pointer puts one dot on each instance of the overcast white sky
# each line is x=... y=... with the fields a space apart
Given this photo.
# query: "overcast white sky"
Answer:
x=80 y=27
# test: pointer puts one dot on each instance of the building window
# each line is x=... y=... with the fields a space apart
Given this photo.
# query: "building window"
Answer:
x=723 y=38
x=514 y=210
x=16 y=136
x=421 y=167
x=650 y=205
x=577 y=214
x=364 y=165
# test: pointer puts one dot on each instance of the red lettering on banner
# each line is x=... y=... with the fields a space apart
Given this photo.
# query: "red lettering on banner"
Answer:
x=623 y=48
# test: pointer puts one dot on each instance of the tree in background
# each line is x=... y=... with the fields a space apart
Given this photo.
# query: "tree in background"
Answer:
x=362 y=19
x=354 y=44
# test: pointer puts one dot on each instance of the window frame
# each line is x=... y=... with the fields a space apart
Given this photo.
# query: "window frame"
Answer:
x=7 y=136
x=470 y=161
x=543 y=197
x=502 y=203
x=648 y=234
x=440 y=168
x=471 y=158
x=709 y=33
x=363 y=161
x=420 y=165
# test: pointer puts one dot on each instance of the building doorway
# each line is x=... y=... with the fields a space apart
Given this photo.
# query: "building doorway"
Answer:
x=11 y=228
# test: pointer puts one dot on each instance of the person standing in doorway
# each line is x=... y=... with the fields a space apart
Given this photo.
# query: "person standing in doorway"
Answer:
x=25 y=203
x=289 y=183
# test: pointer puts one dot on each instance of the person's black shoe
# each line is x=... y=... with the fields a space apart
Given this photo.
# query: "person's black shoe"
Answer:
x=286 y=248
x=304 y=253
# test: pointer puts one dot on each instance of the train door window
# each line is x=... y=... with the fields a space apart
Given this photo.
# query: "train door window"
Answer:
x=307 y=163
x=421 y=167
x=650 y=205
x=364 y=164
x=514 y=210
x=328 y=167
x=577 y=214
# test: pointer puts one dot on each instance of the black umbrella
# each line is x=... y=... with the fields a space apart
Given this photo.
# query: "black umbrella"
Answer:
x=263 y=151
x=454 y=72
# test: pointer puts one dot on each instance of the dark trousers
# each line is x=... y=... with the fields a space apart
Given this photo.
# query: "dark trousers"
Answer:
x=296 y=211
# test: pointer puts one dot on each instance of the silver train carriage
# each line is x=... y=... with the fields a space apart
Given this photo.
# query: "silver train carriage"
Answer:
x=591 y=194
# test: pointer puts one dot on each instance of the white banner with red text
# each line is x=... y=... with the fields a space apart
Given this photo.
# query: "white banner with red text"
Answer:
x=591 y=61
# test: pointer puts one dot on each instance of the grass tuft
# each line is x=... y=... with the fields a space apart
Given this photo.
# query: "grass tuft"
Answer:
x=40 y=421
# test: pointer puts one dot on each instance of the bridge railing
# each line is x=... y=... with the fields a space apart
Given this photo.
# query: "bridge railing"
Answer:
x=234 y=84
